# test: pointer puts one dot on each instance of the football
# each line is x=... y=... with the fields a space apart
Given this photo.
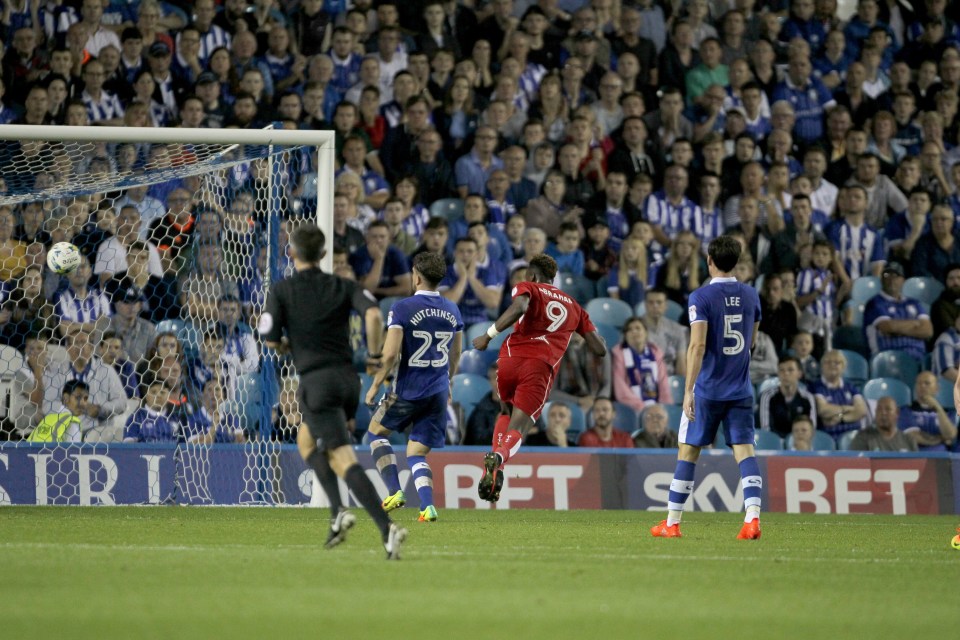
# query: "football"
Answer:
x=63 y=258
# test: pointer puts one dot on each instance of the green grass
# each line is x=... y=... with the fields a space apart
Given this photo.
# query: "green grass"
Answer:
x=231 y=573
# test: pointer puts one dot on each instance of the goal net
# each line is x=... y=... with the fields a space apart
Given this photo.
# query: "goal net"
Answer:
x=140 y=378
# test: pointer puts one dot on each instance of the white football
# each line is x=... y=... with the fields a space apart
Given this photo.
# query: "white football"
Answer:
x=63 y=258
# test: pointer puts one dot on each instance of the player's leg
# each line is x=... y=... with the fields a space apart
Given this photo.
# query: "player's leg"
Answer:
x=429 y=432
x=740 y=435
x=388 y=412
x=693 y=437
x=529 y=395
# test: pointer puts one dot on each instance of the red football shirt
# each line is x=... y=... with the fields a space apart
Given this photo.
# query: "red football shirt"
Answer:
x=544 y=331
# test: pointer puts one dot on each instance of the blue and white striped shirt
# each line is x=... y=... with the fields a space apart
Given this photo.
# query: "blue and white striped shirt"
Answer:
x=884 y=307
x=859 y=247
x=946 y=351
x=811 y=280
x=107 y=107
x=209 y=41
x=94 y=305
x=706 y=225
x=671 y=218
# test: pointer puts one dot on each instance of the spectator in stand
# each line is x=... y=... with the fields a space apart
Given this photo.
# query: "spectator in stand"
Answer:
x=614 y=205
x=150 y=423
x=205 y=286
x=937 y=249
x=778 y=316
x=627 y=280
x=566 y=252
x=926 y=422
x=111 y=353
x=481 y=420
x=639 y=374
x=240 y=345
x=884 y=198
x=946 y=308
x=684 y=269
x=381 y=268
x=559 y=419
x=548 y=211
x=840 y=405
x=111 y=257
x=859 y=246
x=905 y=228
x=599 y=256
x=603 y=433
x=136 y=333
x=780 y=405
x=891 y=321
x=81 y=306
x=801 y=430
x=669 y=336
x=669 y=211
x=810 y=98
x=107 y=397
x=473 y=282
x=655 y=432
x=885 y=434
x=819 y=287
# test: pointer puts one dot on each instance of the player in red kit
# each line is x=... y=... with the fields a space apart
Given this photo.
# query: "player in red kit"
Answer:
x=546 y=319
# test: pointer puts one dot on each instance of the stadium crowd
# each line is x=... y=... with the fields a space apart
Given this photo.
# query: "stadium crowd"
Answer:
x=619 y=137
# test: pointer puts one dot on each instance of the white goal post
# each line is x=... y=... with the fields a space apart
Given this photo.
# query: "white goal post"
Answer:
x=183 y=230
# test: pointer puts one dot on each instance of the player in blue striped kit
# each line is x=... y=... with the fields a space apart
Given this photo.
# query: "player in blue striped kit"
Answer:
x=424 y=337
x=724 y=316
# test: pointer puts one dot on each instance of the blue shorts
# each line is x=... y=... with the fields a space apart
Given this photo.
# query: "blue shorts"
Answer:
x=736 y=416
x=427 y=415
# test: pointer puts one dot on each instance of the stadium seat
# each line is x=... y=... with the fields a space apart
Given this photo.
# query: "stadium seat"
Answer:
x=769 y=383
x=475 y=331
x=858 y=370
x=884 y=387
x=926 y=290
x=610 y=334
x=468 y=390
x=895 y=364
x=851 y=339
x=821 y=442
x=449 y=208
x=626 y=418
x=673 y=311
x=768 y=440
x=364 y=412
x=846 y=439
x=945 y=394
x=474 y=362
x=674 y=413
x=579 y=288
x=609 y=311
x=864 y=288
x=853 y=313
x=640 y=309
x=677 y=387
x=385 y=305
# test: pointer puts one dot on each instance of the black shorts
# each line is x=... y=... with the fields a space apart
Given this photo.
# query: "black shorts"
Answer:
x=328 y=398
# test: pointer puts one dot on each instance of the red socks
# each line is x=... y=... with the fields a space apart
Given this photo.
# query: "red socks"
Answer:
x=499 y=431
x=509 y=445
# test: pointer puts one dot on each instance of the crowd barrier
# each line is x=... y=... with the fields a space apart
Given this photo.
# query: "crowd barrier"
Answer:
x=540 y=478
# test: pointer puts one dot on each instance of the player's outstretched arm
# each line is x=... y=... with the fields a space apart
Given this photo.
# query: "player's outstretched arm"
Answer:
x=516 y=309
x=596 y=344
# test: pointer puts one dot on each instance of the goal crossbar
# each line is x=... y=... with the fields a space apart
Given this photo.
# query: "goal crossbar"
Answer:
x=281 y=137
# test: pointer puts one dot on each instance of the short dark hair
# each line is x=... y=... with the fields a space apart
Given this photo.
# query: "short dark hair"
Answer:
x=308 y=241
x=802 y=417
x=569 y=226
x=437 y=222
x=431 y=265
x=725 y=252
x=73 y=385
x=545 y=266
x=793 y=359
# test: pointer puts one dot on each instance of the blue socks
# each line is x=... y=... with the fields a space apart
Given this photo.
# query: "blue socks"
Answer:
x=680 y=489
x=752 y=485
x=386 y=462
x=422 y=480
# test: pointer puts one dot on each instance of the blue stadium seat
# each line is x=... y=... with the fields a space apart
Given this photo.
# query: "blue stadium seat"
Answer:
x=449 y=208
x=846 y=439
x=945 y=394
x=364 y=412
x=640 y=309
x=674 y=413
x=864 y=288
x=468 y=390
x=823 y=441
x=853 y=313
x=492 y=351
x=926 y=290
x=610 y=334
x=579 y=288
x=674 y=310
x=385 y=305
x=858 y=370
x=625 y=418
x=474 y=362
x=609 y=311
x=578 y=421
x=677 y=387
x=768 y=440
x=884 y=387
x=895 y=364
x=851 y=339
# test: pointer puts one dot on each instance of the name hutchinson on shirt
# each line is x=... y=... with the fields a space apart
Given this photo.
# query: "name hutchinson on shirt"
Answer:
x=423 y=314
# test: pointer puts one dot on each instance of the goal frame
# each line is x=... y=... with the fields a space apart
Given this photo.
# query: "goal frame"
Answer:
x=323 y=141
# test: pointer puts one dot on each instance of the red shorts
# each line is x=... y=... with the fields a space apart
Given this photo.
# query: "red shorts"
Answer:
x=525 y=384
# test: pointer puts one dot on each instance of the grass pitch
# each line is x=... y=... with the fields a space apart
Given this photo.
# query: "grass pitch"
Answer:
x=182 y=572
